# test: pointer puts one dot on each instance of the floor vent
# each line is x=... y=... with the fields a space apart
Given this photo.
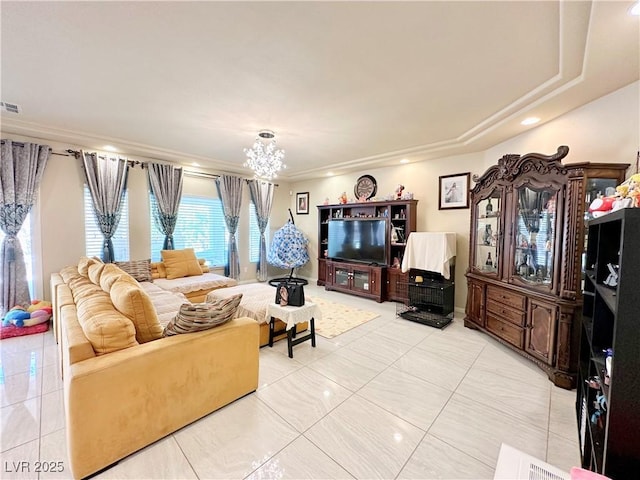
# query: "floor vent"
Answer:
x=10 y=107
x=538 y=471
x=516 y=465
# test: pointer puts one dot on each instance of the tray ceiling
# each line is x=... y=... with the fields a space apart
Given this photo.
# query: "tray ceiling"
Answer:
x=345 y=85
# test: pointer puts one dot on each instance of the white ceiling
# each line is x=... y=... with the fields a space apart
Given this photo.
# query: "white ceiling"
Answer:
x=345 y=85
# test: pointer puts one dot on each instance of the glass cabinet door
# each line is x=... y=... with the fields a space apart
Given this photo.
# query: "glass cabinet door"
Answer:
x=361 y=280
x=535 y=231
x=489 y=233
x=342 y=277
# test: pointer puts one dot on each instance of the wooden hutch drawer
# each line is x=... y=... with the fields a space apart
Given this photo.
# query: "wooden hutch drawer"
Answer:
x=516 y=317
x=506 y=331
x=501 y=295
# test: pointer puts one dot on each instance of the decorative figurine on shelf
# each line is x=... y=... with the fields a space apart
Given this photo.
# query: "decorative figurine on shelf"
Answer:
x=489 y=208
x=342 y=199
x=489 y=262
x=362 y=198
x=396 y=262
x=488 y=234
x=326 y=201
x=398 y=191
x=634 y=190
x=601 y=206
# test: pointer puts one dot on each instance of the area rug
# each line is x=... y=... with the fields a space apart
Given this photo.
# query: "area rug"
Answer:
x=338 y=318
x=12 y=331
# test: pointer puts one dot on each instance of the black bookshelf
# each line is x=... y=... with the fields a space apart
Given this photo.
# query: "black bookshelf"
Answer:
x=610 y=434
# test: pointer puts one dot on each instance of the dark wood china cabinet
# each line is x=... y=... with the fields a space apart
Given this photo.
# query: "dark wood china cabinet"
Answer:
x=526 y=243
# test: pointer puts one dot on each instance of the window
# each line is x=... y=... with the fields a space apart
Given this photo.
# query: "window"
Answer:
x=200 y=226
x=93 y=236
x=254 y=235
x=24 y=236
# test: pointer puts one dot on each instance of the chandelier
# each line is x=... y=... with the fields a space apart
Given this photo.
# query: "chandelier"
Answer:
x=265 y=159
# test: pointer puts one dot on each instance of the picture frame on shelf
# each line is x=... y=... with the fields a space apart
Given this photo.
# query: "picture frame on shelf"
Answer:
x=453 y=191
x=302 y=203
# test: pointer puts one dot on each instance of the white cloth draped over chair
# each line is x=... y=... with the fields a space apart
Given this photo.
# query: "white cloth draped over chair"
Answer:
x=430 y=251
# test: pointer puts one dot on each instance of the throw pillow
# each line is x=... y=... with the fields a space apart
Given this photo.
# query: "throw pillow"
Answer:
x=195 y=317
x=138 y=269
x=180 y=263
x=203 y=265
x=95 y=270
x=110 y=273
x=83 y=265
x=133 y=302
x=158 y=270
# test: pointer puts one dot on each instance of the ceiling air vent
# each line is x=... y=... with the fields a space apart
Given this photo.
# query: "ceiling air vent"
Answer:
x=10 y=107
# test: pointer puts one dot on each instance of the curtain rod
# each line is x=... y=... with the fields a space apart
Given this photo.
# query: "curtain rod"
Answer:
x=131 y=163
x=21 y=144
x=250 y=179
x=76 y=153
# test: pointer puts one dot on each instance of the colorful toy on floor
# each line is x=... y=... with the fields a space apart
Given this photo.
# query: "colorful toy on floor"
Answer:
x=38 y=312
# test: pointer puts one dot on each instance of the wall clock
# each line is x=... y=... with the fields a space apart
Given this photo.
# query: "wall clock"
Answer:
x=366 y=186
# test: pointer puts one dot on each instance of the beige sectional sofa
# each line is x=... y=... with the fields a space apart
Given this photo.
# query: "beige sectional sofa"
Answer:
x=126 y=386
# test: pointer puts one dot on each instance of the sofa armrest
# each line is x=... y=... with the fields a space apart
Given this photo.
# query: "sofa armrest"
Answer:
x=120 y=402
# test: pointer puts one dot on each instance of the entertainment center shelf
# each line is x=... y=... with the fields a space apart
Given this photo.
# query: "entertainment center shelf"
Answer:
x=369 y=265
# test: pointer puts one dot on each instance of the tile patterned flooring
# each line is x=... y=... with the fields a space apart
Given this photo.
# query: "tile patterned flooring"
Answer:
x=389 y=399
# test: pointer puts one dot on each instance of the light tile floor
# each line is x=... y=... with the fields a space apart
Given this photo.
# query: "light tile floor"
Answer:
x=388 y=399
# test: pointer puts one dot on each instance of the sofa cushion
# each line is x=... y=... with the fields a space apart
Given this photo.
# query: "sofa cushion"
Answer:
x=86 y=291
x=181 y=263
x=133 y=302
x=107 y=329
x=202 y=316
x=158 y=270
x=95 y=270
x=138 y=269
x=111 y=273
x=203 y=265
x=91 y=303
x=83 y=265
x=69 y=273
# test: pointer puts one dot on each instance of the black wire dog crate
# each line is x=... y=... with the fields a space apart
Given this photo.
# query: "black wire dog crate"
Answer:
x=430 y=299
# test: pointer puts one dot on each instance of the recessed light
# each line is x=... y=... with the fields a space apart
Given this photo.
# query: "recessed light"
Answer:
x=404 y=160
x=530 y=121
x=635 y=9
x=329 y=174
x=110 y=148
x=195 y=164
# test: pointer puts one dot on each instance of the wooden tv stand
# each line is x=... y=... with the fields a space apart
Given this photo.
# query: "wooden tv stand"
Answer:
x=385 y=282
x=357 y=278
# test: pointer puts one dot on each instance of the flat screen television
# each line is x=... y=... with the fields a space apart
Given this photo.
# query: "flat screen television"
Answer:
x=358 y=240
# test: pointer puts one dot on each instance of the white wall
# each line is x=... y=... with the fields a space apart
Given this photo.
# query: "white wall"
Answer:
x=606 y=130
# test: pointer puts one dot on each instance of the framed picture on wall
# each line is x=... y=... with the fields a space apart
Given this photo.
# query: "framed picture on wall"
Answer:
x=454 y=191
x=302 y=203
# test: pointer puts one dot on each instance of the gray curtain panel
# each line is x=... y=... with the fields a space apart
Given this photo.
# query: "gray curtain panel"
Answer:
x=230 y=192
x=107 y=182
x=262 y=196
x=21 y=170
x=165 y=184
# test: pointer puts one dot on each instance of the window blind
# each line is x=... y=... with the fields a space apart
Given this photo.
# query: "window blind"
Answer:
x=200 y=226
